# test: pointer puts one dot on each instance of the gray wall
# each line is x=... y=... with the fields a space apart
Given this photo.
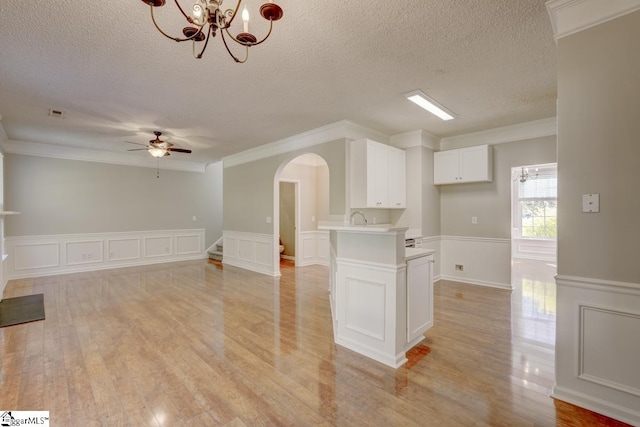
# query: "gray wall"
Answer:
x=288 y=217
x=57 y=196
x=431 y=205
x=249 y=187
x=599 y=151
x=491 y=202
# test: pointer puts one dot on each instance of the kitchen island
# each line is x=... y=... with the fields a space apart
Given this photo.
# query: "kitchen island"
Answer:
x=381 y=293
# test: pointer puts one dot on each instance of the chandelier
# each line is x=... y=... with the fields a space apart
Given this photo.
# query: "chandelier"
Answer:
x=208 y=18
x=524 y=175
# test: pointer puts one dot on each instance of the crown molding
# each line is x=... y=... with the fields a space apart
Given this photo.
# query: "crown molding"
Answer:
x=416 y=138
x=571 y=16
x=339 y=130
x=519 y=132
x=72 y=153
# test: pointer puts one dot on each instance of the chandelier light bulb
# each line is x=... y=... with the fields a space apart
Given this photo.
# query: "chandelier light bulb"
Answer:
x=198 y=13
x=245 y=19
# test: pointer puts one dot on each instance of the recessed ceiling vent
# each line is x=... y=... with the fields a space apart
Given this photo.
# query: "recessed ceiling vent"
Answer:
x=56 y=113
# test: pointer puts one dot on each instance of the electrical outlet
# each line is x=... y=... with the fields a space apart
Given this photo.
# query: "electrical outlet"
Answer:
x=459 y=267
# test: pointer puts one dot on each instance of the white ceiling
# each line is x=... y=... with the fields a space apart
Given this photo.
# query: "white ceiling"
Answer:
x=117 y=79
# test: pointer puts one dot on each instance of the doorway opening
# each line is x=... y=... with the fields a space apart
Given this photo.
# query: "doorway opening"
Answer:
x=301 y=200
x=289 y=217
x=534 y=207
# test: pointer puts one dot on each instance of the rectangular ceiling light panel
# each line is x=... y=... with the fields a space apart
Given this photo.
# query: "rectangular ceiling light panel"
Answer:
x=429 y=104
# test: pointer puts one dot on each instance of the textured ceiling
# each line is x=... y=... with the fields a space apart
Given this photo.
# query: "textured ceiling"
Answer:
x=116 y=78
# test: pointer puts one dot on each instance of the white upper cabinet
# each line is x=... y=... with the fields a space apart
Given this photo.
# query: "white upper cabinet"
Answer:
x=473 y=164
x=378 y=175
x=397 y=178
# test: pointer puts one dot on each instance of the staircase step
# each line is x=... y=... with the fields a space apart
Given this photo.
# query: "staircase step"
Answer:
x=215 y=255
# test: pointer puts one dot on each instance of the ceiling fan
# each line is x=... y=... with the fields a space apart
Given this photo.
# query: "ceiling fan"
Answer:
x=158 y=148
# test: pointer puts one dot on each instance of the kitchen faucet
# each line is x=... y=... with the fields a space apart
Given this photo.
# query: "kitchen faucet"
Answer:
x=364 y=218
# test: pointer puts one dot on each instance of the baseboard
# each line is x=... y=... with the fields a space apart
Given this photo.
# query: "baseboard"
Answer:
x=600 y=406
x=372 y=353
x=256 y=268
x=505 y=286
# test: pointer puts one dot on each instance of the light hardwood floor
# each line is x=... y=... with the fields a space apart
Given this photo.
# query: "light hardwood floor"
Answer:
x=195 y=343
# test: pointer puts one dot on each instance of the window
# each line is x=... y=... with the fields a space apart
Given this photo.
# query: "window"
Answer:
x=538 y=203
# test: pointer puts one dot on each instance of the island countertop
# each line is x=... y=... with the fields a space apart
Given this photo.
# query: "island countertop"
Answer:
x=360 y=228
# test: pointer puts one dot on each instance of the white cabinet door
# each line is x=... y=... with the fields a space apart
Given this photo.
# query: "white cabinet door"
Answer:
x=446 y=167
x=474 y=164
x=377 y=175
x=397 y=178
x=419 y=297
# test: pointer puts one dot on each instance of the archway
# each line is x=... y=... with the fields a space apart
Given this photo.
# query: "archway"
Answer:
x=309 y=173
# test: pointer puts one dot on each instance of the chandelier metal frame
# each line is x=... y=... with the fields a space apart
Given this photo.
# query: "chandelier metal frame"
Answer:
x=209 y=17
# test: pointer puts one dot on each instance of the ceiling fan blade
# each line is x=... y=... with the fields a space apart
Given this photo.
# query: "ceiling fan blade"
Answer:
x=179 y=150
x=139 y=149
x=137 y=143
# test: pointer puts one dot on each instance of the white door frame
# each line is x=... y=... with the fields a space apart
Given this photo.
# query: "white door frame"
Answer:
x=296 y=192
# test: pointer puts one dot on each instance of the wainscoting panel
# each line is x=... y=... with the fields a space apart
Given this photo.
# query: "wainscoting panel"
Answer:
x=366 y=304
x=33 y=256
x=543 y=250
x=264 y=253
x=606 y=358
x=598 y=346
x=123 y=249
x=315 y=248
x=365 y=301
x=308 y=247
x=88 y=252
x=251 y=251
x=323 y=247
x=188 y=244
x=158 y=246
x=484 y=261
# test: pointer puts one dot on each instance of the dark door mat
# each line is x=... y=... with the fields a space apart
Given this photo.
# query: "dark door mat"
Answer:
x=14 y=311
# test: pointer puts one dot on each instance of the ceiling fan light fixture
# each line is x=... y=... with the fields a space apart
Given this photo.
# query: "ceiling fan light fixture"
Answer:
x=157 y=152
x=431 y=105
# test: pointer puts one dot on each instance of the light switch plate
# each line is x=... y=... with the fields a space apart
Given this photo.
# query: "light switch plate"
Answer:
x=591 y=203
